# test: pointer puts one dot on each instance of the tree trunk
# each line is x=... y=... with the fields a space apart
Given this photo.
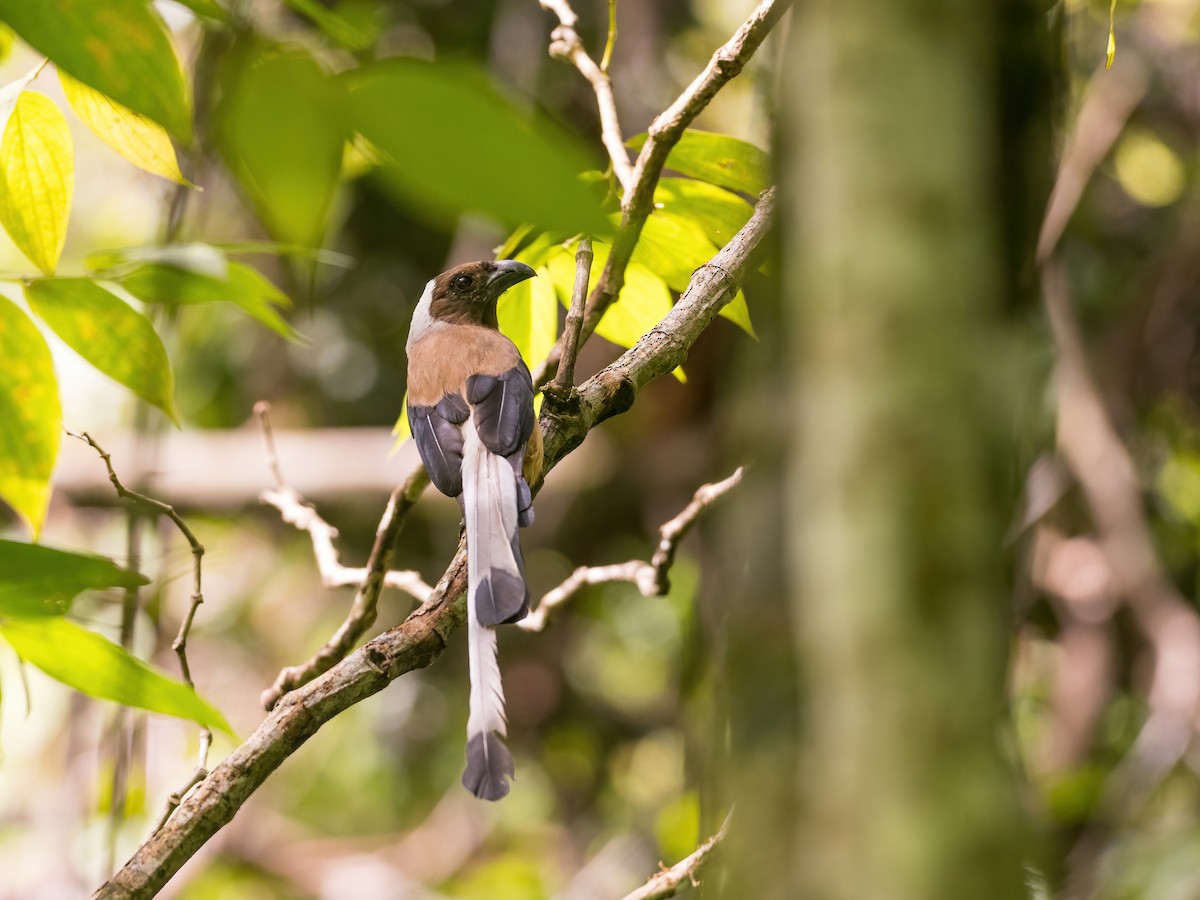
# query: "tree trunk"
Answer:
x=892 y=309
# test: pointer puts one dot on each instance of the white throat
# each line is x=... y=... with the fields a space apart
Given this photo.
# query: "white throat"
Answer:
x=423 y=322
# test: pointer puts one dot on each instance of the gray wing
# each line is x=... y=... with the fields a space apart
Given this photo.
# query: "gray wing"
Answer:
x=435 y=429
x=503 y=409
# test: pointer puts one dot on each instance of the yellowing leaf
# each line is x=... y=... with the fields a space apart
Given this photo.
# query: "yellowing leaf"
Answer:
x=109 y=333
x=37 y=179
x=141 y=141
x=30 y=416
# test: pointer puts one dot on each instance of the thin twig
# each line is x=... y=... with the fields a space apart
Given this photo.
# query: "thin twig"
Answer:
x=668 y=882
x=610 y=42
x=664 y=133
x=297 y=511
x=421 y=638
x=369 y=581
x=564 y=381
x=566 y=45
x=651 y=578
x=179 y=645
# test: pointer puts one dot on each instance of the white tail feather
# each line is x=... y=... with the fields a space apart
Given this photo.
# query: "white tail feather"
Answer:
x=490 y=505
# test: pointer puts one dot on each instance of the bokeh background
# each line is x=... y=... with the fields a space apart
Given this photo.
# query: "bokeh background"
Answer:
x=621 y=713
x=602 y=706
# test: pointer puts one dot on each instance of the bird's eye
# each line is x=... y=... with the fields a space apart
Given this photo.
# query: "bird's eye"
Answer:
x=462 y=282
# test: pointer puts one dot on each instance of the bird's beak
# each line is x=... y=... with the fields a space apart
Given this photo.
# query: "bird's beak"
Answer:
x=509 y=272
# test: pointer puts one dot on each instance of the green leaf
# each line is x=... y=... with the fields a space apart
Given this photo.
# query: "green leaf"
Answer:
x=30 y=416
x=97 y=667
x=37 y=179
x=42 y=581
x=119 y=47
x=453 y=143
x=144 y=143
x=719 y=213
x=280 y=129
x=335 y=27
x=241 y=284
x=1111 y=51
x=718 y=159
x=109 y=333
x=672 y=248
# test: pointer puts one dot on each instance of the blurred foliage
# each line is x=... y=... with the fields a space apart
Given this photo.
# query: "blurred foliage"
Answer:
x=285 y=139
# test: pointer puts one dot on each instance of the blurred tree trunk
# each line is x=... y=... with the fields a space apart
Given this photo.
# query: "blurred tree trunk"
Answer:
x=896 y=522
x=892 y=332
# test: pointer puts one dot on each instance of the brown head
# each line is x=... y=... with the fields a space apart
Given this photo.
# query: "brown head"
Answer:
x=467 y=294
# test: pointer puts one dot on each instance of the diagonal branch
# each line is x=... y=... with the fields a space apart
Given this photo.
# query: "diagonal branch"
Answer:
x=297 y=511
x=422 y=637
x=664 y=133
x=370 y=581
x=669 y=882
x=651 y=578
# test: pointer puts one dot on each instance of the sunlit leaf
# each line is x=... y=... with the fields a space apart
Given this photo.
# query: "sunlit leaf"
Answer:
x=528 y=314
x=718 y=159
x=335 y=27
x=280 y=129
x=41 y=581
x=119 y=47
x=673 y=248
x=242 y=285
x=37 y=179
x=109 y=333
x=30 y=416
x=644 y=299
x=453 y=143
x=97 y=667
x=142 y=142
x=719 y=213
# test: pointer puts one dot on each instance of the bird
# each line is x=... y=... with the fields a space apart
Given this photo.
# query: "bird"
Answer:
x=470 y=412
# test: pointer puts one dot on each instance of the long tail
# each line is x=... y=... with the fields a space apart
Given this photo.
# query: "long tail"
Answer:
x=495 y=593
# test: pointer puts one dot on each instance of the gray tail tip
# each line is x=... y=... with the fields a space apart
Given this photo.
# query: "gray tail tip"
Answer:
x=489 y=766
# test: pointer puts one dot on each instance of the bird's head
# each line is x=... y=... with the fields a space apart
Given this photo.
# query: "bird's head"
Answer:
x=467 y=294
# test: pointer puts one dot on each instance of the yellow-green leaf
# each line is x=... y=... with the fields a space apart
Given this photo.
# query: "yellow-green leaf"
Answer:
x=719 y=213
x=528 y=314
x=644 y=299
x=144 y=143
x=30 y=416
x=109 y=333
x=119 y=47
x=37 y=179
x=96 y=666
x=718 y=159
